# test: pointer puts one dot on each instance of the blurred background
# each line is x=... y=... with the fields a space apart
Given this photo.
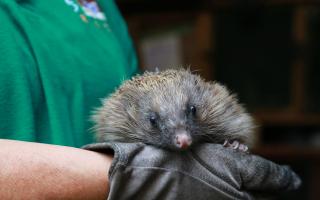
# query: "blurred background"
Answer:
x=267 y=51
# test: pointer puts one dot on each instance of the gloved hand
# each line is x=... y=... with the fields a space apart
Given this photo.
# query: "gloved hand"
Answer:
x=207 y=171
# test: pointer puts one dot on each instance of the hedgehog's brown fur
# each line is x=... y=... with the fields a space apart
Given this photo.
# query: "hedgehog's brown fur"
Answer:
x=125 y=114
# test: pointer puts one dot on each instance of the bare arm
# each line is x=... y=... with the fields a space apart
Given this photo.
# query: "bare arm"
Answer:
x=41 y=171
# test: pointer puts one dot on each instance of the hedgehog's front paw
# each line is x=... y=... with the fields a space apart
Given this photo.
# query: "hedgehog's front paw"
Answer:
x=236 y=145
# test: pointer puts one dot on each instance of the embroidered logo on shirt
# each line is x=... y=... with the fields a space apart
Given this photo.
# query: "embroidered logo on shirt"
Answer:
x=89 y=9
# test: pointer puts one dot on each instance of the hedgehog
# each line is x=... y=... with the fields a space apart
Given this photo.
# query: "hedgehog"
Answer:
x=173 y=109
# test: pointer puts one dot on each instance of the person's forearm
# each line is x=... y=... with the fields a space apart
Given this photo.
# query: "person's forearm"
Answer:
x=40 y=171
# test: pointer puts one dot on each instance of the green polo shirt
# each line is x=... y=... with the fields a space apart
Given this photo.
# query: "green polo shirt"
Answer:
x=57 y=60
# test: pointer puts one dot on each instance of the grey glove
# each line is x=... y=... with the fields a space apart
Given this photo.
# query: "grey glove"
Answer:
x=208 y=171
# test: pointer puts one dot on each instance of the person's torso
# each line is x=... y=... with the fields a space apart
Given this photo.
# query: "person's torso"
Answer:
x=77 y=51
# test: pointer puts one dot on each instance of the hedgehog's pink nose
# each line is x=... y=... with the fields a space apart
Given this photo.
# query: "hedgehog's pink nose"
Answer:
x=183 y=141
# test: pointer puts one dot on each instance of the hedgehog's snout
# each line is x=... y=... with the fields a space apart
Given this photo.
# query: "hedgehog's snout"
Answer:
x=182 y=139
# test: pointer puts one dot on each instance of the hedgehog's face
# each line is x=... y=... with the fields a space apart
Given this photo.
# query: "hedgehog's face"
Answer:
x=171 y=119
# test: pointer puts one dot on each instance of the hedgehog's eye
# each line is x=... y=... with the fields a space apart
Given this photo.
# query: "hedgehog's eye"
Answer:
x=153 y=120
x=192 y=110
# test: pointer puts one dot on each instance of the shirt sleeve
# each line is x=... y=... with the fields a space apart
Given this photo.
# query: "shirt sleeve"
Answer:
x=208 y=171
